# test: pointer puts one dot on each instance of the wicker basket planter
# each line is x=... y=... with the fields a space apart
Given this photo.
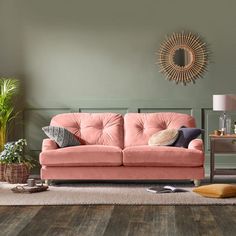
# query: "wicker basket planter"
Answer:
x=16 y=173
x=2 y=170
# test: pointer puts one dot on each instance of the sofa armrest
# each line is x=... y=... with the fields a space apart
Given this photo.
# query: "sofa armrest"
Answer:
x=196 y=144
x=48 y=144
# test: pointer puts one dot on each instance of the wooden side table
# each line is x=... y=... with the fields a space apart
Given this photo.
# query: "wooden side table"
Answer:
x=225 y=144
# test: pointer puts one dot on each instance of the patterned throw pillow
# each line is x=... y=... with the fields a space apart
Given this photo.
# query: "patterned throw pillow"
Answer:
x=186 y=135
x=164 y=138
x=61 y=136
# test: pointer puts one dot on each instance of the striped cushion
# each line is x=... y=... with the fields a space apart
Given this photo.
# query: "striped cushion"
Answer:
x=164 y=137
x=61 y=136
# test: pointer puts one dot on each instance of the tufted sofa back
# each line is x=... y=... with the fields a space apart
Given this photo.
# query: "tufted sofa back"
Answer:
x=112 y=130
x=93 y=128
x=140 y=126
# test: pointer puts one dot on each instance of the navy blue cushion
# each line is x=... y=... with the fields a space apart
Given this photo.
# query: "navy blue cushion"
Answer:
x=186 y=135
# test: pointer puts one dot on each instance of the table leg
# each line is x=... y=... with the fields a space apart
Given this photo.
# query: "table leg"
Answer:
x=212 y=162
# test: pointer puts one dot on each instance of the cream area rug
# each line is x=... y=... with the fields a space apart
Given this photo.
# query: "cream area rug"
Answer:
x=90 y=193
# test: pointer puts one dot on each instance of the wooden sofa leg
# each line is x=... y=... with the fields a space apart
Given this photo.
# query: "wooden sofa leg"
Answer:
x=197 y=182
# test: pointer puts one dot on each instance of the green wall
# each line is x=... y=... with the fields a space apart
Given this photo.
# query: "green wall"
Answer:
x=84 y=55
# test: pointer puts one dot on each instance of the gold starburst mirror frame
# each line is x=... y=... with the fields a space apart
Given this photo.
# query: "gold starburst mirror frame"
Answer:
x=183 y=57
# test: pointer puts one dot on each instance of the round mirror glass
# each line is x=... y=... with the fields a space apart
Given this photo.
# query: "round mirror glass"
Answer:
x=182 y=57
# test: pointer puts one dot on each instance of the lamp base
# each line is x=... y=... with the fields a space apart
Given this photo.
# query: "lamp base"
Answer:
x=225 y=123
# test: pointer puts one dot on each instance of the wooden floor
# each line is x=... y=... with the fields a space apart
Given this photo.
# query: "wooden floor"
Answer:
x=117 y=220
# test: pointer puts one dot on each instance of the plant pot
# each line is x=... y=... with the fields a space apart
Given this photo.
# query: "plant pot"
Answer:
x=2 y=170
x=16 y=173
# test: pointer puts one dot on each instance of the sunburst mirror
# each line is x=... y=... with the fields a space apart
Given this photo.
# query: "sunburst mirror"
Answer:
x=183 y=57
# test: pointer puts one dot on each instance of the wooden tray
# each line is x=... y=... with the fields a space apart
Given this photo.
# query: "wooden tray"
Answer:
x=27 y=189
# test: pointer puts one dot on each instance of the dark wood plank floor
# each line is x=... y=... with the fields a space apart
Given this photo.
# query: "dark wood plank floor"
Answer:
x=110 y=220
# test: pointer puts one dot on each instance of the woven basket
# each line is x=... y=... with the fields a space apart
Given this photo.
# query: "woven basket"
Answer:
x=2 y=170
x=16 y=173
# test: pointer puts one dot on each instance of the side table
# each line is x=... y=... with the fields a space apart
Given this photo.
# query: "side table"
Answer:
x=225 y=144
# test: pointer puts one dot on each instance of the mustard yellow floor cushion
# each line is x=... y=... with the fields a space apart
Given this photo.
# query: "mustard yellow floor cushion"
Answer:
x=217 y=190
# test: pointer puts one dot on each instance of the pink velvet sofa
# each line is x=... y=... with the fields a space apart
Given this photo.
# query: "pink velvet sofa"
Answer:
x=116 y=148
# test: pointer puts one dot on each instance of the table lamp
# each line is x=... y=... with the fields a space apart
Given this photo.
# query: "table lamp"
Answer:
x=224 y=103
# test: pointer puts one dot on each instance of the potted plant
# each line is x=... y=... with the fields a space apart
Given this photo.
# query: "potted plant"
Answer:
x=8 y=88
x=17 y=164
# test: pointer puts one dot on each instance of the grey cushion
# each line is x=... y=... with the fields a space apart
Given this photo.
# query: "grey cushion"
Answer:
x=61 y=136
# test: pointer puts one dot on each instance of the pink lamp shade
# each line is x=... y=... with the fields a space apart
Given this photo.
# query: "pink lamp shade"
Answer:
x=226 y=102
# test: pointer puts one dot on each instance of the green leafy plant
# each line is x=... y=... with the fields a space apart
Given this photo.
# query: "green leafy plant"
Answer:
x=13 y=153
x=8 y=88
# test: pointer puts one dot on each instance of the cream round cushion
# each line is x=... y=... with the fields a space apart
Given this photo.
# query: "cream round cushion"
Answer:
x=163 y=138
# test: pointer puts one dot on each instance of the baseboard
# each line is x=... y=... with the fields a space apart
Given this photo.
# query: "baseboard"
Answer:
x=219 y=165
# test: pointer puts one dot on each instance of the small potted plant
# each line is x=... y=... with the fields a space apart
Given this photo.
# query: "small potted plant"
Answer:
x=17 y=164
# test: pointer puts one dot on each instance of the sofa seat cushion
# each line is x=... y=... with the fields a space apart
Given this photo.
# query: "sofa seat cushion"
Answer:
x=162 y=156
x=84 y=155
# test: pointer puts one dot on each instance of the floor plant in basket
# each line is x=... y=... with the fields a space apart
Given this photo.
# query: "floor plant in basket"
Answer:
x=8 y=89
x=17 y=164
